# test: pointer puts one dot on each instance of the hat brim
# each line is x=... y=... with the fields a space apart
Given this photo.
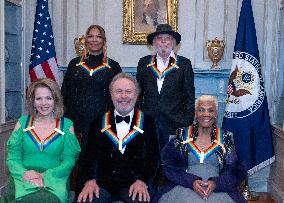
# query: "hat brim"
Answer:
x=174 y=34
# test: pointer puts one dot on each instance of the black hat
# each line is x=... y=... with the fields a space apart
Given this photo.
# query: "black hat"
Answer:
x=164 y=29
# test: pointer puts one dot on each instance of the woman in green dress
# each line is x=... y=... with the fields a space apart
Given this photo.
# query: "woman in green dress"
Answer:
x=42 y=149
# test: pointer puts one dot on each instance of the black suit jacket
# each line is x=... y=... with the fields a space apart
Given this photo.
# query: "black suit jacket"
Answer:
x=175 y=103
x=112 y=170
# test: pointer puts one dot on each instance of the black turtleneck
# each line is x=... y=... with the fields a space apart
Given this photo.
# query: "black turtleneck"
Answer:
x=94 y=60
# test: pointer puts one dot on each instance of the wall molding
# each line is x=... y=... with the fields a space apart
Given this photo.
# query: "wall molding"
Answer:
x=8 y=126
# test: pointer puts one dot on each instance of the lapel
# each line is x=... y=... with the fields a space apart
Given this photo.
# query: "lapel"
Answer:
x=152 y=77
x=132 y=133
x=113 y=127
x=167 y=79
x=133 y=119
x=112 y=121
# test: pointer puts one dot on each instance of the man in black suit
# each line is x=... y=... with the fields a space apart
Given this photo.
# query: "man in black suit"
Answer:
x=167 y=84
x=122 y=149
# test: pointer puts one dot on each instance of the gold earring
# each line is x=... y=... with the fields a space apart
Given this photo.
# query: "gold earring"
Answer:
x=105 y=48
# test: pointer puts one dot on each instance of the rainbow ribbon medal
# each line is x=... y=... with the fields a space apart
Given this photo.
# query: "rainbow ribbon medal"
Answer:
x=155 y=70
x=199 y=154
x=92 y=71
x=43 y=144
x=121 y=143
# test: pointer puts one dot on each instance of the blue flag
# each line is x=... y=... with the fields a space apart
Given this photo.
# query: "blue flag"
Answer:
x=246 y=113
x=43 y=62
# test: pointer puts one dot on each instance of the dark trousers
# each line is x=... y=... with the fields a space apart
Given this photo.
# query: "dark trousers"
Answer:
x=164 y=131
x=121 y=195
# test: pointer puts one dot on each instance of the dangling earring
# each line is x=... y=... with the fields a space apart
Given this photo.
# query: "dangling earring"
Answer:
x=194 y=121
x=105 y=49
x=86 y=53
x=35 y=109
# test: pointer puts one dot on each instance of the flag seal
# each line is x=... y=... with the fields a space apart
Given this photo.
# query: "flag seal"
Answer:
x=245 y=86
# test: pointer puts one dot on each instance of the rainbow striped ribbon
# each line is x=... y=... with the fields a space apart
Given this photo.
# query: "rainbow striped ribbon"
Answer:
x=121 y=143
x=43 y=144
x=199 y=154
x=155 y=70
x=92 y=71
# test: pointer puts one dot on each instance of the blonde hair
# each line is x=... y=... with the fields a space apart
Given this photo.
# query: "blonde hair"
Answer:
x=55 y=92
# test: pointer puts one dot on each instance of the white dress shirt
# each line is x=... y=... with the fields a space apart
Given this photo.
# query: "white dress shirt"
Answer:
x=123 y=128
x=161 y=67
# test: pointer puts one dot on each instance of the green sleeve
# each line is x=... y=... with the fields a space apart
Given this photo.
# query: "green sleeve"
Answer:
x=68 y=158
x=14 y=154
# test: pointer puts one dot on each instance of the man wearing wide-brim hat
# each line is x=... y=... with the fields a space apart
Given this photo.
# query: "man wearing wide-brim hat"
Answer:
x=167 y=84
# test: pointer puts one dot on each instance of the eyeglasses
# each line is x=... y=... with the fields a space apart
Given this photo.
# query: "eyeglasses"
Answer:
x=165 y=37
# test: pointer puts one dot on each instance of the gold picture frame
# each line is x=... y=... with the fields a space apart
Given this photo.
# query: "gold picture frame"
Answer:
x=136 y=25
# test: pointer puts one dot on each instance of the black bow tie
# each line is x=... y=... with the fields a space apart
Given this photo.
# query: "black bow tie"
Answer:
x=121 y=118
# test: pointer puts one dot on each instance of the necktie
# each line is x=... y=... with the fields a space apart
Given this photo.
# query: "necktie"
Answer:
x=121 y=118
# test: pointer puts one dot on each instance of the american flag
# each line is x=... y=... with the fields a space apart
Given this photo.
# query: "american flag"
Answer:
x=43 y=62
x=230 y=89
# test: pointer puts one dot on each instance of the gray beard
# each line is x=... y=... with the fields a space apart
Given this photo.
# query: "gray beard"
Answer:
x=163 y=51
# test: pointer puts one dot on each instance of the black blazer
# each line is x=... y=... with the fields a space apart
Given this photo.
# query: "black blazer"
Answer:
x=112 y=170
x=175 y=103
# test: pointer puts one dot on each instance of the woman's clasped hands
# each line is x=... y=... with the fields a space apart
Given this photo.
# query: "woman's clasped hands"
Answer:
x=34 y=178
x=204 y=188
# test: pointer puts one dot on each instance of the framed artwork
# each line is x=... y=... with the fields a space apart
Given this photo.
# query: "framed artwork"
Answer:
x=141 y=17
